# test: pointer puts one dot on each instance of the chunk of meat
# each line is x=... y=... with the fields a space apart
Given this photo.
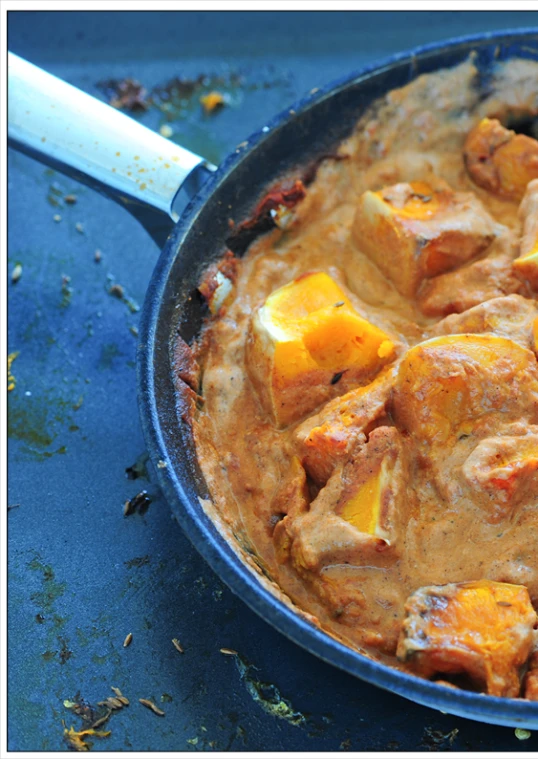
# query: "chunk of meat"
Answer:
x=358 y=512
x=499 y=160
x=469 y=286
x=303 y=339
x=419 y=230
x=503 y=472
x=328 y=438
x=449 y=386
x=527 y=263
x=483 y=629
x=510 y=316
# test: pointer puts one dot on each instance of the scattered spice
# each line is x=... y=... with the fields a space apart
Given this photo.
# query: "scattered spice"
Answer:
x=11 y=381
x=436 y=740
x=213 y=101
x=150 y=705
x=161 y=464
x=178 y=646
x=97 y=256
x=101 y=720
x=228 y=652
x=117 y=291
x=79 y=403
x=16 y=274
x=79 y=227
x=125 y=94
x=57 y=217
x=521 y=734
x=67 y=291
x=70 y=199
x=339 y=304
x=75 y=740
x=128 y=640
x=166 y=130
x=138 y=469
x=12 y=506
x=133 y=330
x=139 y=503
x=138 y=561
x=336 y=377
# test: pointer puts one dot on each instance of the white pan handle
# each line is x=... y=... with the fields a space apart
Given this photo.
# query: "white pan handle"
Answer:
x=64 y=127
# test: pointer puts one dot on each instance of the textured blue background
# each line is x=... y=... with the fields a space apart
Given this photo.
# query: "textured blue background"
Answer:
x=81 y=576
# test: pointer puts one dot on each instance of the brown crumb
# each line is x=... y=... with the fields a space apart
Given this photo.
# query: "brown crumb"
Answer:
x=228 y=652
x=117 y=291
x=150 y=705
x=139 y=503
x=125 y=94
x=178 y=646
x=70 y=199
x=128 y=640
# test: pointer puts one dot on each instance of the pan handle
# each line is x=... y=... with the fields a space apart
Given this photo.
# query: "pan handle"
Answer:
x=94 y=143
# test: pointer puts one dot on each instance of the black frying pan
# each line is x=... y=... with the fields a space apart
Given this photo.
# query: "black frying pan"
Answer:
x=289 y=144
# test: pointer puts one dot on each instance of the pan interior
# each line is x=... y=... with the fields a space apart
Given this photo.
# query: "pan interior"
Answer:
x=295 y=140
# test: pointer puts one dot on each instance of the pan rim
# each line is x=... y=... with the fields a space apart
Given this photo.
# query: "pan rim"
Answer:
x=203 y=533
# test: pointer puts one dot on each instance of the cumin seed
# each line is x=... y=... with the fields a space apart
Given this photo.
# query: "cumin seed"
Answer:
x=178 y=646
x=228 y=652
x=128 y=640
x=150 y=705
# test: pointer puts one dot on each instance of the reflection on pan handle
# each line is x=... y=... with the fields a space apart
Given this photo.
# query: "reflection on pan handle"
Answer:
x=94 y=143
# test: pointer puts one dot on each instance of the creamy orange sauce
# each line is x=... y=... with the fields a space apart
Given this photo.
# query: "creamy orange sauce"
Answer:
x=449 y=527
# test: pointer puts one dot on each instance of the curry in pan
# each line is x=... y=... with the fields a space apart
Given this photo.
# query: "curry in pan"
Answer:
x=364 y=396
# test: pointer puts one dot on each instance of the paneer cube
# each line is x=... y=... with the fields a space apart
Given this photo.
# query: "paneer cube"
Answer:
x=418 y=230
x=483 y=629
x=510 y=316
x=329 y=437
x=447 y=386
x=503 y=472
x=364 y=501
x=527 y=263
x=304 y=339
x=499 y=160
x=358 y=512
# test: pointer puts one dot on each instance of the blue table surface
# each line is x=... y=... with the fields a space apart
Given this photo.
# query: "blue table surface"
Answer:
x=81 y=575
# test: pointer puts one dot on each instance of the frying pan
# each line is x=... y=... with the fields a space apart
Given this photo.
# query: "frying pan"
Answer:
x=96 y=144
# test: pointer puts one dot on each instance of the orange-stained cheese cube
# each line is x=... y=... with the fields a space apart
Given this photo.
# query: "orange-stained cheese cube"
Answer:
x=527 y=263
x=359 y=511
x=363 y=507
x=503 y=472
x=499 y=160
x=341 y=425
x=419 y=230
x=303 y=339
x=448 y=385
x=483 y=629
